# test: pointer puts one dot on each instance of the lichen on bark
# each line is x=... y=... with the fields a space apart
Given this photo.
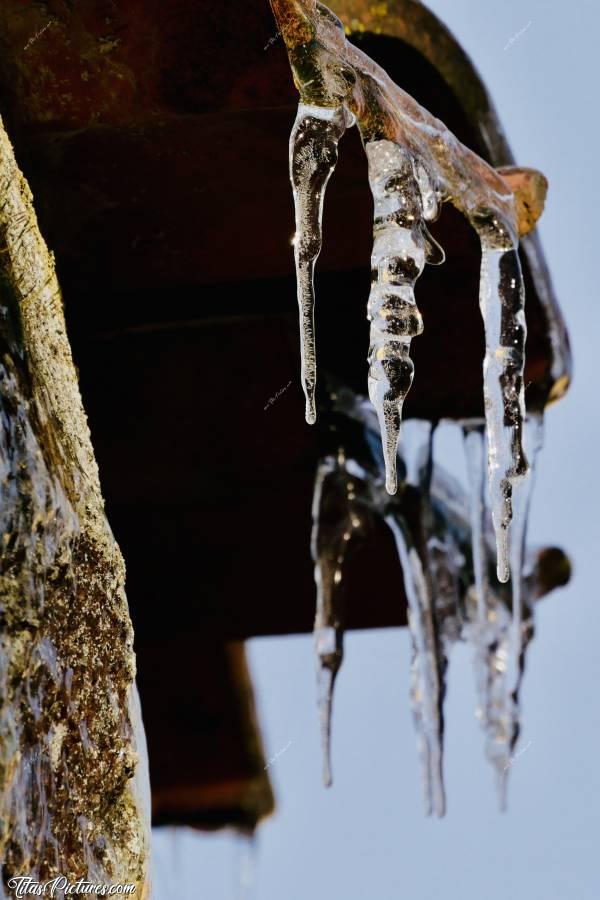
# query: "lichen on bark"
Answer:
x=73 y=792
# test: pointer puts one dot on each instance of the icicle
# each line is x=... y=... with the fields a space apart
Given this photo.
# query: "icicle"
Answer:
x=246 y=845
x=432 y=533
x=428 y=665
x=474 y=438
x=415 y=162
x=337 y=520
x=399 y=255
x=533 y=440
x=313 y=157
x=425 y=686
x=499 y=711
x=521 y=625
x=328 y=633
x=487 y=629
x=446 y=563
x=500 y=636
x=502 y=301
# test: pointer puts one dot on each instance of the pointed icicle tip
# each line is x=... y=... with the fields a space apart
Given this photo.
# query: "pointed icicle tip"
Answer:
x=310 y=406
x=502 y=789
x=326 y=682
x=391 y=471
x=502 y=567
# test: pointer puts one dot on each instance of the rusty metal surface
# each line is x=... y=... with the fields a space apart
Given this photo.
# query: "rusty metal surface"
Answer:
x=208 y=765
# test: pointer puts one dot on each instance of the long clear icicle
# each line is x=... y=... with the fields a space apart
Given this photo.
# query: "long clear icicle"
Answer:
x=401 y=247
x=337 y=520
x=428 y=665
x=487 y=627
x=246 y=851
x=424 y=681
x=474 y=438
x=533 y=438
x=313 y=157
x=521 y=624
x=502 y=302
x=501 y=637
x=328 y=630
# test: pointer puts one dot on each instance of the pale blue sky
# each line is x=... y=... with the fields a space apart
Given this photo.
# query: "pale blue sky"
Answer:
x=367 y=837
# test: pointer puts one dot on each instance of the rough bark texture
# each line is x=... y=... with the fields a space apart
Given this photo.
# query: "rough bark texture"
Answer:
x=72 y=784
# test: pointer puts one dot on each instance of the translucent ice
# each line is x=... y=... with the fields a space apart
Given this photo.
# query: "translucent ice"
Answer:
x=474 y=438
x=313 y=156
x=400 y=250
x=502 y=306
x=446 y=548
x=415 y=163
x=500 y=626
x=339 y=518
x=426 y=679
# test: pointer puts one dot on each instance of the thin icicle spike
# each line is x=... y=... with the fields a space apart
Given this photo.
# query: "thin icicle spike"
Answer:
x=533 y=439
x=425 y=688
x=474 y=439
x=502 y=299
x=487 y=627
x=327 y=630
x=427 y=666
x=325 y=640
x=313 y=157
x=246 y=865
x=501 y=638
x=337 y=520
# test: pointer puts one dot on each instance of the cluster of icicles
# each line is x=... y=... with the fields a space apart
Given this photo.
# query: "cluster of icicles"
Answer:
x=415 y=164
x=446 y=552
x=404 y=199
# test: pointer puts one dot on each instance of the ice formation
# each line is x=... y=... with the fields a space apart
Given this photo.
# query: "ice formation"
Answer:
x=313 y=155
x=401 y=247
x=340 y=510
x=446 y=549
x=502 y=305
x=414 y=164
